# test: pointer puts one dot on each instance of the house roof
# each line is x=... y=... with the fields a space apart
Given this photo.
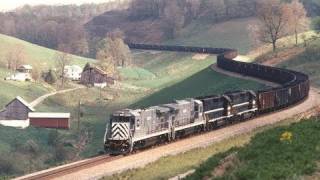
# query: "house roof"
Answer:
x=74 y=68
x=25 y=103
x=49 y=115
x=25 y=66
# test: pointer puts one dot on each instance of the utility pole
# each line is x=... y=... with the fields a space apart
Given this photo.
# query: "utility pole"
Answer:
x=79 y=116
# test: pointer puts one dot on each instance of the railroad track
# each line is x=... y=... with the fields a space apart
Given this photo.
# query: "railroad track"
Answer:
x=69 y=168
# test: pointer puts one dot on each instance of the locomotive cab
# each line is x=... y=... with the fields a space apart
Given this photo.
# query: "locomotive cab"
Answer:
x=118 y=133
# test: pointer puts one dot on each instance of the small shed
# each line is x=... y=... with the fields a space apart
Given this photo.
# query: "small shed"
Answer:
x=17 y=109
x=50 y=120
x=94 y=76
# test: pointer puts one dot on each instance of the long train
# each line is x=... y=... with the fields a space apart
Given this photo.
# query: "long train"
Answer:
x=129 y=129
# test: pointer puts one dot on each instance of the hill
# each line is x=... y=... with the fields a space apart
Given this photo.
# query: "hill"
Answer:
x=306 y=61
x=288 y=152
x=39 y=57
x=34 y=54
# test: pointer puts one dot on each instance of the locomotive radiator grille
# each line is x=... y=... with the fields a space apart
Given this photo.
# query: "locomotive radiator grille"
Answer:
x=120 y=131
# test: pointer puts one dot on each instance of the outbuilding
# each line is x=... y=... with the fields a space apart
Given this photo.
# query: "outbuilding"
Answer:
x=94 y=76
x=50 y=120
x=17 y=109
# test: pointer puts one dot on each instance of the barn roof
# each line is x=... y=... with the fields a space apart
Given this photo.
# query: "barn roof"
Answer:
x=49 y=115
x=90 y=66
x=25 y=103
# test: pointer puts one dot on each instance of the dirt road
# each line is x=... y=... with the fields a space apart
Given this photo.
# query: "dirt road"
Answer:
x=42 y=98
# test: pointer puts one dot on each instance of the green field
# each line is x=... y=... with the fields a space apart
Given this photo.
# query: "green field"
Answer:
x=271 y=156
x=35 y=55
x=39 y=57
x=229 y=34
x=307 y=62
x=10 y=89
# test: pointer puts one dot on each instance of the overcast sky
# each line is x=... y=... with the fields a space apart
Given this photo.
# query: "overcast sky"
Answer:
x=6 y=5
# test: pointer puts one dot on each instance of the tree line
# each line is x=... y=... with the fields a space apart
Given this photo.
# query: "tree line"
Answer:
x=51 y=26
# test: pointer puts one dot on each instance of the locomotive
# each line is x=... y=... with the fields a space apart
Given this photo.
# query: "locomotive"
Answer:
x=129 y=129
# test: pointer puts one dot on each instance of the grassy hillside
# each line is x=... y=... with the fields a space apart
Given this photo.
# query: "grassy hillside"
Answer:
x=231 y=34
x=40 y=57
x=307 y=62
x=290 y=152
x=35 y=55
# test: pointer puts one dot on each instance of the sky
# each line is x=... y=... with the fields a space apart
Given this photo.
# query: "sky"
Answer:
x=6 y=5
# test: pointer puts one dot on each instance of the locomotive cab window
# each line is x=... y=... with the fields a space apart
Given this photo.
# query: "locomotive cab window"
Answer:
x=138 y=124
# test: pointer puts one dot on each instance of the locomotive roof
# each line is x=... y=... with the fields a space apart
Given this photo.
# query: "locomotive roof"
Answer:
x=125 y=112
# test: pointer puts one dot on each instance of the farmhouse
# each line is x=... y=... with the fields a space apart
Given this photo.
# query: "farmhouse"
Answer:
x=17 y=109
x=73 y=72
x=23 y=73
x=94 y=76
x=50 y=120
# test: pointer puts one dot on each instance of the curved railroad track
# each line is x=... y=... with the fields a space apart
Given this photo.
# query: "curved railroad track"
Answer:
x=284 y=79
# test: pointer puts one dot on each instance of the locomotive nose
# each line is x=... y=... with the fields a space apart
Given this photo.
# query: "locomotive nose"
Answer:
x=120 y=131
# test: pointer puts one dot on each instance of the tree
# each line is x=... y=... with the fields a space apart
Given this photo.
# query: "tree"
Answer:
x=273 y=21
x=62 y=60
x=50 y=77
x=298 y=20
x=106 y=62
x=15 y=57
x=174 y=18
x=113 y=52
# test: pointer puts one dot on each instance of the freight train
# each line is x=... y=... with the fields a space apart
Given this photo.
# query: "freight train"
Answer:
x=129 y=129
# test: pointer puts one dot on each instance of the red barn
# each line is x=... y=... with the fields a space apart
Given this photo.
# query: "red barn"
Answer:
x=50 y=120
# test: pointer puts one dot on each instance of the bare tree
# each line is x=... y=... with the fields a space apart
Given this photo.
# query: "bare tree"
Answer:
x=174 y=17
x=273 y=17
x=298 y=20
x=62 y=60
x=15 y=57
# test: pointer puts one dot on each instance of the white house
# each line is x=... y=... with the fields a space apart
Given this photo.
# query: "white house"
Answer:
x=73 y=72
x=23 y=73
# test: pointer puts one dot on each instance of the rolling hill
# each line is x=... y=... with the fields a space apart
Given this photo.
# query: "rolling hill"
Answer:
x=39 y=57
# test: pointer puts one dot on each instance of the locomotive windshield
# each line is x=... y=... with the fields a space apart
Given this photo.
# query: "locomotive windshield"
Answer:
x=120 y=118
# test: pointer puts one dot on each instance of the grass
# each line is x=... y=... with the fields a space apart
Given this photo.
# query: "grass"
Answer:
x=307 y=62
x=231 y=34
x=10 y=89
x=35 y=55
x=268 y=157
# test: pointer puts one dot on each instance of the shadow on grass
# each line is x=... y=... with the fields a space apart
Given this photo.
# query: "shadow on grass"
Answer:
x=205 y=82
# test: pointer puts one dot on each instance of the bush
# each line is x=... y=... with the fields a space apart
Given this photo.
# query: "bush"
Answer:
x=50 y=77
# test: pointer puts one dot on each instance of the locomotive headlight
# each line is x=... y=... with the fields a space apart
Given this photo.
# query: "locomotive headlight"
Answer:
x=254 y=102
x=229 y=108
